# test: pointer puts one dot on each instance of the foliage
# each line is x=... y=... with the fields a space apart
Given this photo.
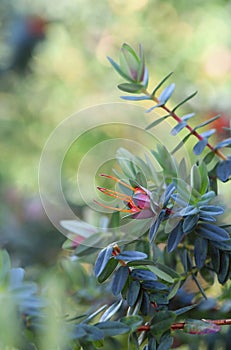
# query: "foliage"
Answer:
x=179 y=235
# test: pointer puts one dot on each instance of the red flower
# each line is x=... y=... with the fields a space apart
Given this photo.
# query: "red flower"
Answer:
x=138 y=204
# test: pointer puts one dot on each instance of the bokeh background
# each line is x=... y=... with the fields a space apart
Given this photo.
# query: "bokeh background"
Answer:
x=53 y=64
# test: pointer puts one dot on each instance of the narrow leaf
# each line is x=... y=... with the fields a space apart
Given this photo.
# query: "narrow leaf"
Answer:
x=207 y=122
x=200 y=251
x=185 y=100
x=175 y=237
x=212 y=232
x=161 y=83
x=111 y=311
x=224 y=143
x=167 y=93
x=200 y=146
x=120 y=278
x=156 y=122
x=102 y=260
x=223 y=170
x=178 y=128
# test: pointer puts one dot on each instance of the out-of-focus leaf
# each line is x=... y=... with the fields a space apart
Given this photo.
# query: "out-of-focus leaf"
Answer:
x=161 y=83
x=120 y=278
x=164 y=274
x=111 y=311
x=209 y=157
x=133 y=321
x=206 y=122
x=133 y=343
x=112 y=328
x=223 y=170
x=162 y=322
x=185 y=309
x=157 y=122
x=208 y=133
x=224 y=143
x=166 y=342
x=132 y=88
x=184 y=101
x=178 y=128
x=79 y=227
x=166 y=93
x=186 y=117
x=133 y=292
x=200 y=146
x=223 y=273
x=200 y=251
x=88 y=332
x=200 y=327
x=181 y=143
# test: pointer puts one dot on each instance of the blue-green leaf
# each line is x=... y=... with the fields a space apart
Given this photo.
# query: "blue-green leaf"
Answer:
x=102 y=260
x=111 y=311
x=112 y=328
x=178 y=128
x=211 y=209
x=223 y=170
x=135 y=98
x=224 y=143
x=175 y=237
x=131 y=255
x=190 y=223
x=200 y=146
x=157 y=122
x=166 y=93
x=132 y=88
x=212 y=232
x=143 y=275
x=133 y=292
x=120 y=278
x=200 y=251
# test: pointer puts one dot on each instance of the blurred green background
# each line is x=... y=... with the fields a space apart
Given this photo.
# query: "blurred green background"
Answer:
x=68 y=71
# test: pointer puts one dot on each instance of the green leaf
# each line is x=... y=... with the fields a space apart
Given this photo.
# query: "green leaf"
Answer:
x=133 y=321
x=161 y=83
x=174 y=289
x=119 y=70
x=180 y=144
x=162 y=322
x=195 y=178
x=112 y=328
x=109 y=268
x=162 y=274
x=157 y=122
x=200 y=327
x=184 y=101
x=131 y=87
x=208 y=121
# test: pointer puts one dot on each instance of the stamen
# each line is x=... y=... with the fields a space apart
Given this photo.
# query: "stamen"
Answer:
x=119 y=181
x=115 y=194
x=116 y=209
